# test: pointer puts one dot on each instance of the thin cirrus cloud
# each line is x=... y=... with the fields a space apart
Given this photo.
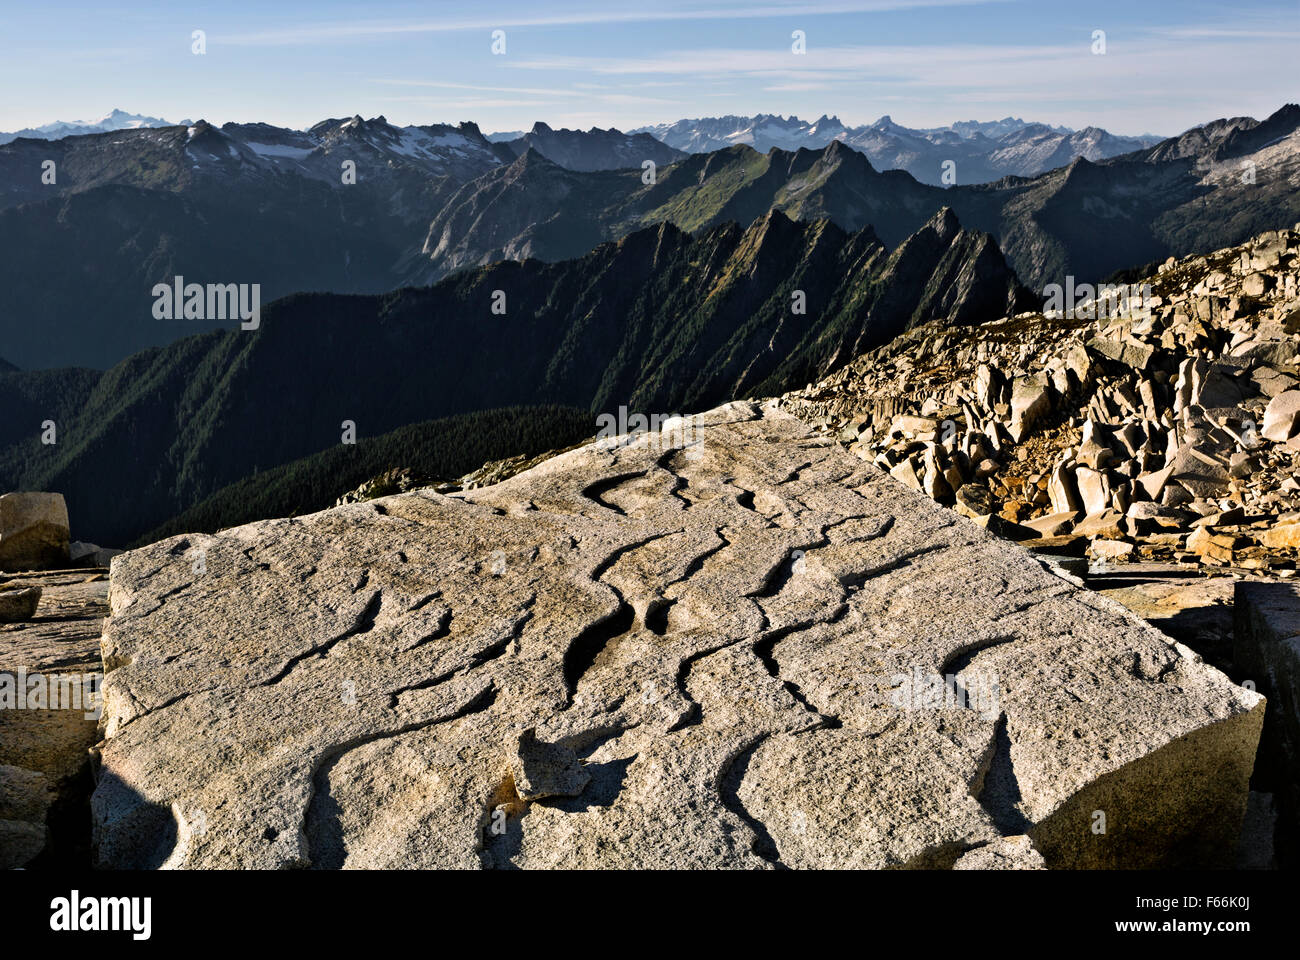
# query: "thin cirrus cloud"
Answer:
x=539 y=96
x=590 y=16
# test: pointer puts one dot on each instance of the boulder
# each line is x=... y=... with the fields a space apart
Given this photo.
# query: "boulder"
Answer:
x=1062 y=491
x=974 y=500
x=1108 y=550
x=1094 y=489
x=759 y=652
x=33 y=531
x=25 y=799
x=90 y=554
x=1281 y=536
x=1280 y=418
x=1126 y=350
x=1053 y=524
x=18 y=603
x=905 y=473
x=1031 y=402
x=916 y=428
x=1105 y=523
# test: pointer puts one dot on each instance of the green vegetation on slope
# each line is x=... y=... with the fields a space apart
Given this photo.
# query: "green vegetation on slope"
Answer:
x=445 y=448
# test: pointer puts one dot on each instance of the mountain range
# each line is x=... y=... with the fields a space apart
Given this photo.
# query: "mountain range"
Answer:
x=1208 y=188
x=251 y=203
x=981 y=152
x=661 y=321
x=248 y=203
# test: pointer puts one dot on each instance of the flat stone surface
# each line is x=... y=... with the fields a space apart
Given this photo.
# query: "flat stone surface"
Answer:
x=60 y=642
x=1196 y=611
x=729 y=654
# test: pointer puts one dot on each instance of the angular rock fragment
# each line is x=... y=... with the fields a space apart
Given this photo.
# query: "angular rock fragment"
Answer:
x=1007 y=853
x=18 y=604
x=544 y=769
x=1280 y=418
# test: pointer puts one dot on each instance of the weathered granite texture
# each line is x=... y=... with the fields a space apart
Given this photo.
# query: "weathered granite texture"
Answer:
x=651 y=655
x=49 y=673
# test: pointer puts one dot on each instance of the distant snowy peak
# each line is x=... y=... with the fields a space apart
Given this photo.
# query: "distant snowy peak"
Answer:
x=121 y=120
x=761 y=132
x=114 y=120
x=981 y=150
x=378 y=149
x=432 y=145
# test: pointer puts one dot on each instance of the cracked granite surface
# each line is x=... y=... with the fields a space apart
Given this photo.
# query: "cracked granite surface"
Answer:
x=651 y=654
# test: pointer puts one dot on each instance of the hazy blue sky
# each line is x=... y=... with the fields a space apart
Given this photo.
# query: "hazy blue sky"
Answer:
x=1169 y=65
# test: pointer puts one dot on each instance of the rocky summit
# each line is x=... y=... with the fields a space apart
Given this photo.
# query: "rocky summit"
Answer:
x=1159 y=423
x=725 y=644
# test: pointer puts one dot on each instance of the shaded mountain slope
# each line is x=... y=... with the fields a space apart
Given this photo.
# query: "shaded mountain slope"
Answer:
x=444 y=448
x=661 y=321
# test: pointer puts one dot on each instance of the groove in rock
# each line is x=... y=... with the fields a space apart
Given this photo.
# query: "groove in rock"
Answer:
x=729 y=787
x=999 y=791
x=855 y=581
x=763 y=649
x=492 y=652
x=595 y=491
x=783 y=572
x=321 y=826
x=694 y=713
x=587 y=646
x=365 y=623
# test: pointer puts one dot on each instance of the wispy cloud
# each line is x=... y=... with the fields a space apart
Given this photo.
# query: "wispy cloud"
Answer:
x=355 y=29
x=477 y=87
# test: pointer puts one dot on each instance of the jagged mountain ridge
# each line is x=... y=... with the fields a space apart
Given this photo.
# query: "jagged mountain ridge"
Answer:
x=534 y=208
x=248 y=204
x=594 y=149
x=661 y=321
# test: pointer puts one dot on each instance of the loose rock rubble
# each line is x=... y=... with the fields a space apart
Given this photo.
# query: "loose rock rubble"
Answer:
x=750 y=651
x=1166 y=431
